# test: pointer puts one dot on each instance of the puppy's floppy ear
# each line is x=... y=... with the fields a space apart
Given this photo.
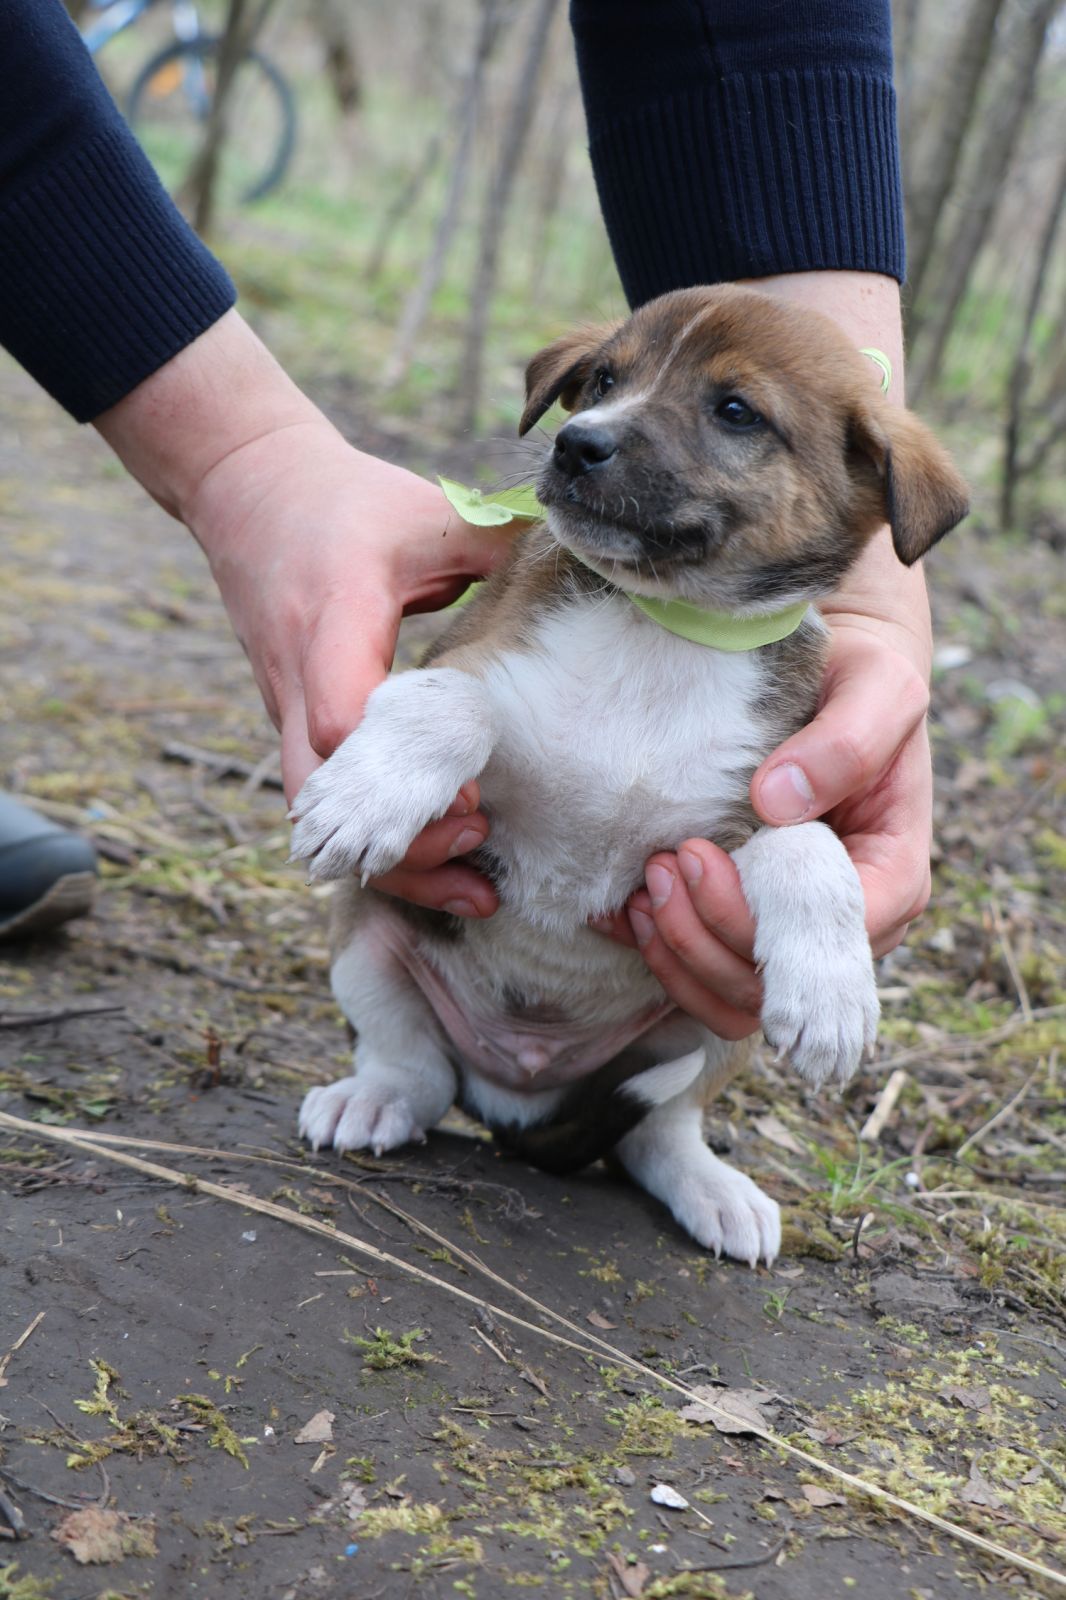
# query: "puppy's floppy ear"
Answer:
x=924 y=496
x=558 y=371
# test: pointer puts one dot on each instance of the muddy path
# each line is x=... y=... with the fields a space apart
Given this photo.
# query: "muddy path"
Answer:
x=166 y=1356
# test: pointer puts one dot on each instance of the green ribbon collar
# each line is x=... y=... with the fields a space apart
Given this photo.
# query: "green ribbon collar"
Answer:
x=720 y=630
x=717 y=630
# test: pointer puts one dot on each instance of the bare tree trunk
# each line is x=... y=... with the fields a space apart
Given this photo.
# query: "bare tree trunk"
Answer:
x=554 y=158
x=1054 y=432
x=905 y=14
x=243 y=22
x=494 y=214
x=401 y=207
x=418 y=302
x=1021 y=372
x=976 y=209
x=333 y=21
x=963 y=78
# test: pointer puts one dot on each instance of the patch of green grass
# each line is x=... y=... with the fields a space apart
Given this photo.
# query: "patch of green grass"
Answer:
x=852 y=1183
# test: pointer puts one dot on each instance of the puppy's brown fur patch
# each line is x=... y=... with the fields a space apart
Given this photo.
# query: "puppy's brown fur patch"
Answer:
x=833 y=463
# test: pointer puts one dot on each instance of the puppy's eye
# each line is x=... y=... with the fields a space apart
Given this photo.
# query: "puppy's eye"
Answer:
x=602 y=382
x=737 y=413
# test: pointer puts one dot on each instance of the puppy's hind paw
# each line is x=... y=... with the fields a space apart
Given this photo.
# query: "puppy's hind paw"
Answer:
x=726 y=1212
x=351 y=1116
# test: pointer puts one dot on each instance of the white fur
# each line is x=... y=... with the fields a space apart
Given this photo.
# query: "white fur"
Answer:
x=603 y=741
x=720 y=1207
x=615 y=739
x=820 y=1003
x=403 y=1081
x=423 y=735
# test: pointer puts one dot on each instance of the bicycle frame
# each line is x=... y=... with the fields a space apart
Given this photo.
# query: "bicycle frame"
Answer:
x=118 y=15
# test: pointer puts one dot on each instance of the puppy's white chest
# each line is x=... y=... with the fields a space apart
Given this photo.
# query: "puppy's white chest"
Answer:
x=615 y=738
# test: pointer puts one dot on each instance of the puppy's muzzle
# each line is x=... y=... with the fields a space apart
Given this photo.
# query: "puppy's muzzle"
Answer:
x=581 y=446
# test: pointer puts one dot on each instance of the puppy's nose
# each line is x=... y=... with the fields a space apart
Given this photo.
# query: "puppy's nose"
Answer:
x=580 y=446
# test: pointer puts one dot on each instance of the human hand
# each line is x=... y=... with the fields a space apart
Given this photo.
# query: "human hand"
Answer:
x=318 y=551
x=864 y=761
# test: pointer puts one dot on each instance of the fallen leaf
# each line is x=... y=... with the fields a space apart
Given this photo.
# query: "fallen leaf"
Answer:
x=729 y=1410
x=664 y=1495
x=94 y=1536
x=774 y=1129
x=599 y=1322
x=815 y=1495
x=318 y=1431
x=828 y=1436
x=631 y=1578
x=979 y=1492
x=976 y=1399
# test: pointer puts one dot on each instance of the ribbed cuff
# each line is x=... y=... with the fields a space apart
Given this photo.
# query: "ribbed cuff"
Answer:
x=794 y=171
x=103 y=280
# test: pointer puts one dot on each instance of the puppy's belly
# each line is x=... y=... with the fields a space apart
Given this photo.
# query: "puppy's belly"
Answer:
x=545 y=1042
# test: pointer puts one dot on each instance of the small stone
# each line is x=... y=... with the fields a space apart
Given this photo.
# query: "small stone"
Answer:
x=664 y=1495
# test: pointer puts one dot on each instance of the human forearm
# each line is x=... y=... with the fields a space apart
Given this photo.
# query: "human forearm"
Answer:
x=218 y=396
x=786 y=115
x=101 y=279
x=317 y=549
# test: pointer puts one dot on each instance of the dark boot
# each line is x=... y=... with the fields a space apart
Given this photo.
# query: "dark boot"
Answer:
x=47 y=875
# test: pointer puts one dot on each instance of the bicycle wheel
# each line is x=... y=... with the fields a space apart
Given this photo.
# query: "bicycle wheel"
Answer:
x=168 y=107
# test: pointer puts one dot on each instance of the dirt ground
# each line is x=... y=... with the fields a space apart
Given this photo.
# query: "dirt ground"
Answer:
x=162 y=1350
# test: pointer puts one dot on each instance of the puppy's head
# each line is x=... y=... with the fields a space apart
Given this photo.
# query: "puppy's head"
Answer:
x=731 y=450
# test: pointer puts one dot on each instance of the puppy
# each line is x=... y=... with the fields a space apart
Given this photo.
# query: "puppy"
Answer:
x=727 y=459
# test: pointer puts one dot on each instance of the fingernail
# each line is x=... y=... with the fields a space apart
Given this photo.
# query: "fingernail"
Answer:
x=461 y=908
x=642 y=925
x=660 y=881
x=602 y=924
x=691 y=866
x=785 y=795
x=468 y=840
x=461 y=806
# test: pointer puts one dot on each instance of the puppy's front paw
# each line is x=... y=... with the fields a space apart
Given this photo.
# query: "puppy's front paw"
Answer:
x=352 y=1115
x=422 y=736
x=347 y=821
x=820 y=1005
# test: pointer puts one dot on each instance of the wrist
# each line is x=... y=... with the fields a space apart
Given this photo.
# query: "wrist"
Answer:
x=865 y=304
x=879 y=595
x=217 y=397
x=886 y=600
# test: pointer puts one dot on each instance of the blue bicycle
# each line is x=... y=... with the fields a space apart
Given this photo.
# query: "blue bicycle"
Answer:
x=170 y=100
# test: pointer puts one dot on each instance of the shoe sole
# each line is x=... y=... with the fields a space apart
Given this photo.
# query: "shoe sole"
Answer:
x=70 y=896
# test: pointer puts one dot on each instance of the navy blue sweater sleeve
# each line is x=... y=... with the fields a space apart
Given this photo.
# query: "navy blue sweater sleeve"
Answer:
x=101 y=279
x=741 y=138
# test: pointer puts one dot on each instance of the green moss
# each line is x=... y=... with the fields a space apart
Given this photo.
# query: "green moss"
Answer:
x=694 y=1586
x=101 y=1404
x=647 y=1427
x=409 y=1517
x=12 y=1587
x=386 y=1352
x=222 y=1436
